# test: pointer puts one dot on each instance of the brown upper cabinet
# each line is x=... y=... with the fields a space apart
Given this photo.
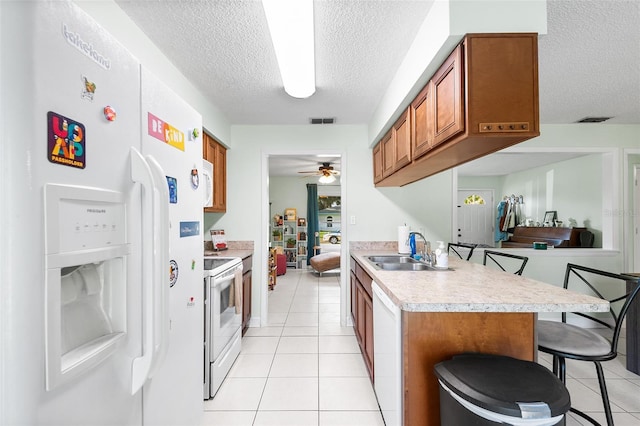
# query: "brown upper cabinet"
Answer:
x=215 y=153
x=377 y=163
x=388 y=154
x=394 y=150
x=402 y=138
x=482 y=99
x=422 y=121
x=447 y=98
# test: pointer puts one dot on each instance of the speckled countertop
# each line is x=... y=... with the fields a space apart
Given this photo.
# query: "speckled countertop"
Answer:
x=239 y=249
x=471 y=287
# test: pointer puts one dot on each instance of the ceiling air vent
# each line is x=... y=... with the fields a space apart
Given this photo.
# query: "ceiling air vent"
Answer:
x=593 y=119
x=322 y=120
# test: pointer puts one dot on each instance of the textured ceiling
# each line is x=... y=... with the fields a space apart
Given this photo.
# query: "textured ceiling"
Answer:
x=589 y=60
x=224 y=48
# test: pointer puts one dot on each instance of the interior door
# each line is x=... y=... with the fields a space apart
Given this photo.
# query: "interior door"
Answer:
x=476 y=212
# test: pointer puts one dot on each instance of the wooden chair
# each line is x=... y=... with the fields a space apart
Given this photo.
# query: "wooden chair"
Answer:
x=563 y=340
x=496 y=255
x=460 y=249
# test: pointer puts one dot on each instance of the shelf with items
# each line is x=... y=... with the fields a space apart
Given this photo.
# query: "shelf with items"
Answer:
x=289 y=233
x=301 y=245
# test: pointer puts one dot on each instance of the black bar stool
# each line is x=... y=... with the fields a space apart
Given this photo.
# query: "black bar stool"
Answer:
x=563 y=340
x=496 y=255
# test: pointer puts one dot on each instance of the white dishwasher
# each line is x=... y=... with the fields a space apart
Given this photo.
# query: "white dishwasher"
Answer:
x=387 y=355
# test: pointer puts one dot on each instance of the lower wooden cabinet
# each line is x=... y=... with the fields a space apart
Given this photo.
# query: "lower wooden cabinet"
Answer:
x=362 y=312
x=246 y=293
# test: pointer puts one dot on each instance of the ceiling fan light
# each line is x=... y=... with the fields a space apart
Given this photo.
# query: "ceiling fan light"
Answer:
x=291 y=26
x=327 y=178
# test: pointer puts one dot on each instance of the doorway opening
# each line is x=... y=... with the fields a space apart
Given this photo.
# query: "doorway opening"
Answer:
x=285 y=179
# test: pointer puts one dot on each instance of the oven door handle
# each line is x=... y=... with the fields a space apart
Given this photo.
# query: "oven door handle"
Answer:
x=141 y=173
x=161 y=265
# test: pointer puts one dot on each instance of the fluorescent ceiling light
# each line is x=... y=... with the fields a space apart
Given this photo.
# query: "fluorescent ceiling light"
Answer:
x=327 y=178
x=291 y=27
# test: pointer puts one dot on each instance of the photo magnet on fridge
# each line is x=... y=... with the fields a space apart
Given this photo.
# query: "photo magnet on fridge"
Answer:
x=189 y=229
x=173 y=272
x=195 y=178
x=173 y=189
x=66 y=141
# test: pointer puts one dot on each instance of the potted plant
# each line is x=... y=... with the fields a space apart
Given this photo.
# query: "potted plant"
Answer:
x=277 y=234
x=291 y=242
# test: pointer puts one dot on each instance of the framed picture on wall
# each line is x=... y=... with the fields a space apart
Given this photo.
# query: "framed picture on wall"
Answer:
x=290 y=214
x=550 y=217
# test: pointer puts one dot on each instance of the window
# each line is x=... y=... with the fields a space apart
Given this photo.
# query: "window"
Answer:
x=474 y=199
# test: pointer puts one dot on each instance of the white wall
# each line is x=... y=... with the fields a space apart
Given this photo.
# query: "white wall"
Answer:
x=289 y=192
x=572 y=188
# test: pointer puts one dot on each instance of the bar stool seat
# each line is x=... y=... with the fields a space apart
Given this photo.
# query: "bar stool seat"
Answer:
x=572 y=341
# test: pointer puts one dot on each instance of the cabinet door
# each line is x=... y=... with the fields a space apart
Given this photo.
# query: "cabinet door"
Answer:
x=361 y=322
x=388 y=154
x=448 y=98
x=368 y=330
x=220 y=183
x=377 y=163
x=246 y=301
x=354 y=299
x=422 y=121
x=216 y=154
x=402 y=140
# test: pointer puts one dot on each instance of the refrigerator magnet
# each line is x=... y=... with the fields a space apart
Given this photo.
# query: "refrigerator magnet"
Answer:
x=66 y=140
x=173 y=189
x=189 y=229
x=173 y=272
x=195 y=178
x=88 y=89
x=109 y=113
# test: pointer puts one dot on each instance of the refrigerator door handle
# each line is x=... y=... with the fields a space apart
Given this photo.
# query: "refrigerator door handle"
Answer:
x=141 y=173
x=161 y=257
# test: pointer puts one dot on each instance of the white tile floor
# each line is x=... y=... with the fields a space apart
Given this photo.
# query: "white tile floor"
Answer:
x=305 y=369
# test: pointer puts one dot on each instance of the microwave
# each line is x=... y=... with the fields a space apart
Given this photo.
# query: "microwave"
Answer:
x=207 y=176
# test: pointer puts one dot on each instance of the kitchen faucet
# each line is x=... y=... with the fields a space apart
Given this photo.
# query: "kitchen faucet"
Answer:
x=425 y=253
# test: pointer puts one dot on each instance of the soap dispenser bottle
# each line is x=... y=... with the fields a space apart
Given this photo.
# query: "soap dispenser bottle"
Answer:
x=412 y=244
x=442 y=257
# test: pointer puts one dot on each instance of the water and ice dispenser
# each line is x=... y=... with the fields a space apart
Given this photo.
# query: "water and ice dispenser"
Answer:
x=86 y=279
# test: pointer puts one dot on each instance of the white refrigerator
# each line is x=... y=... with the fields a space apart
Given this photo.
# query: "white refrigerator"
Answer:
x=101 y=315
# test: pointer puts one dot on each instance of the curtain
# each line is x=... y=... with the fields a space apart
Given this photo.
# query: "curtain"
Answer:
x=312 y=219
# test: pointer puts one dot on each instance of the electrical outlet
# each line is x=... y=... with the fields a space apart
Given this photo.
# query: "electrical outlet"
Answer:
x=353 y=220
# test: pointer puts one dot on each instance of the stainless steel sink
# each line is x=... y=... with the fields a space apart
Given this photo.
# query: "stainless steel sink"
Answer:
x=392 y=259
x=417 y=266
x=398 y=263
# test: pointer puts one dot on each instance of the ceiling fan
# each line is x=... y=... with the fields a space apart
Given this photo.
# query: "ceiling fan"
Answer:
x=325 y=171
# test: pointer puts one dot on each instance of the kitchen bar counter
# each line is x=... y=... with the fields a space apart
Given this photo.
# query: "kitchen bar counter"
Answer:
x=471 y=287
x=470 y=308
